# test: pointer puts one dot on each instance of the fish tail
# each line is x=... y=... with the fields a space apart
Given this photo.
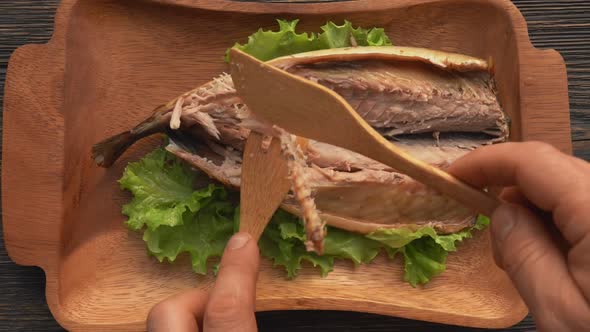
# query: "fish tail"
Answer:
x=106 y=152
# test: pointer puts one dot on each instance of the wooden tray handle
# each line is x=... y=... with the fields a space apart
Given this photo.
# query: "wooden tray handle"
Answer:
x=32 y=174
x=544 y=98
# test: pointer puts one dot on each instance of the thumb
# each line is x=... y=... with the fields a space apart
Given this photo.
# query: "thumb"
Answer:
x=525 y=249
x=231 y=302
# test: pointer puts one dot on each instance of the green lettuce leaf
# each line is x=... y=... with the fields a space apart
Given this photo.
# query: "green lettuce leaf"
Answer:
x=423 y=259
x=177 y=218
x=356 y=247
x=398 y=237
x=203 y=235
x=482 y=222
x=284 y=242
x=336 y=36
x=266 y=45
x=162 y=191
x=425 y=252
x=338 y=243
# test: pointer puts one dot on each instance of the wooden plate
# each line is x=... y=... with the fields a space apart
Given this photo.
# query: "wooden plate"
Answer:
x=111 y=62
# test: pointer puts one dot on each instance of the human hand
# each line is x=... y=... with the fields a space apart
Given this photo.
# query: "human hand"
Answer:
x=228 y=307
x=541 y=236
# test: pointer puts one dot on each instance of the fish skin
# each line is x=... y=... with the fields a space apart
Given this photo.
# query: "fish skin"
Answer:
x=349 y=188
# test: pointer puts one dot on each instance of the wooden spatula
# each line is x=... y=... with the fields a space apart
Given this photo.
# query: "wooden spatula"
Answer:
x=310 y=110
x=264 y=184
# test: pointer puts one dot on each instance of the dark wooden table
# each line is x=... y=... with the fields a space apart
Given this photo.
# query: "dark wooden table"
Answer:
x=563 y=25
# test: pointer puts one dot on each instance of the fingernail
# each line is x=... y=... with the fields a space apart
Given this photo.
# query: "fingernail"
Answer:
x=503 y=221
x=238 y=241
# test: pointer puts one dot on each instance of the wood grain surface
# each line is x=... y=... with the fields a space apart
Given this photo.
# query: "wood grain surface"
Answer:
x=562 y=25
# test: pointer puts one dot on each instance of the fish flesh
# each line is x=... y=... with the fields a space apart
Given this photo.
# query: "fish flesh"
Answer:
x=436 y=106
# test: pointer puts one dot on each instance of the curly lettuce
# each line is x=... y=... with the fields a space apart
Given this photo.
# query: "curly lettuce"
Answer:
x=177 y=218
x=424 y=251
x=266 y=45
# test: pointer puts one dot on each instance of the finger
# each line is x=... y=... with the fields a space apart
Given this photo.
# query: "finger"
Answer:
x=537 y=267
x=526 y=165
x=514 y=196
x=579 y=262
x=232 y=300
x=181 y=312
x=551 y=180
